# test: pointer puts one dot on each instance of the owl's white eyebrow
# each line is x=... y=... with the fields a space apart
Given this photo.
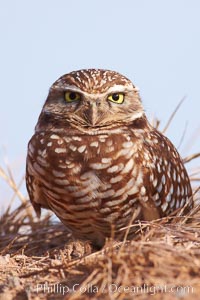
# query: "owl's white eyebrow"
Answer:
x=72 y=88
x=117 y=88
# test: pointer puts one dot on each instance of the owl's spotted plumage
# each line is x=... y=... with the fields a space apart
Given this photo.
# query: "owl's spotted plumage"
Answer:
x=97 y=163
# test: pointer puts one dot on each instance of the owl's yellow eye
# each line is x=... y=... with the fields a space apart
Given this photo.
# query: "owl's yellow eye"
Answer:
x=116 y=98
x=72 y=96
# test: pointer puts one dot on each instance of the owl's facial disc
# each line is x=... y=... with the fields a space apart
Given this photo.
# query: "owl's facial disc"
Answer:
x=119 y=104
x=93 y=99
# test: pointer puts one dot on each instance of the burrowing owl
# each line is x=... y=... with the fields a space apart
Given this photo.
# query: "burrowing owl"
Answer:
x=95 y=160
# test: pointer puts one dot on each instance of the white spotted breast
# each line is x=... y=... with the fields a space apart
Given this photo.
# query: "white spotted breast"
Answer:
x=98 y=171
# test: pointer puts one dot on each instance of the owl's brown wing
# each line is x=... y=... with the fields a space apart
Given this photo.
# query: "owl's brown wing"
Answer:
x=33 y=177
x=166 y=183
x=36 y=194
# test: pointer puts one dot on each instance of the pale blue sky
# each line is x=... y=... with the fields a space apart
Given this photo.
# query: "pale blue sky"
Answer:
x=154 y=43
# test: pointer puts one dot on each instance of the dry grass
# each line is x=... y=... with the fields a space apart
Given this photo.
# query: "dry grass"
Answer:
x=40 y=260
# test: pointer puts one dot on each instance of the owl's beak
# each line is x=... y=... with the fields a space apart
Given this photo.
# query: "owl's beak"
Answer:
x=92 y=114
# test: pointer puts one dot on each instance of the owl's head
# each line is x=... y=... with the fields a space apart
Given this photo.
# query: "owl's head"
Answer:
x=91 y=99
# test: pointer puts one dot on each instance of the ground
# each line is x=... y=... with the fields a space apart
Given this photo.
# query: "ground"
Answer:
x=40 y=260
